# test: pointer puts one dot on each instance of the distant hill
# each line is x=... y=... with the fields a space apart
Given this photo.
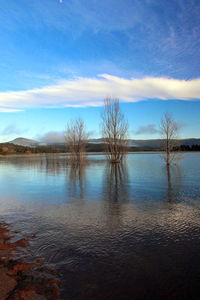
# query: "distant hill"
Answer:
x=24 y=142
x=157 y=142
x=190 y=142
x=150 y=144
x=28 y=146
x=154 y=143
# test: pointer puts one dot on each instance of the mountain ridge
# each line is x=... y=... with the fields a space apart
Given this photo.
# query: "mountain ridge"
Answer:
x=21 y=141
x=152 y=143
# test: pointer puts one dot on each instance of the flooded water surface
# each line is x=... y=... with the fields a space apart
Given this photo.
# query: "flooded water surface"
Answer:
x=126 y=231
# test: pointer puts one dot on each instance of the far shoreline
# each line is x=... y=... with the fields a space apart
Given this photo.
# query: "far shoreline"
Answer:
x=89 y=153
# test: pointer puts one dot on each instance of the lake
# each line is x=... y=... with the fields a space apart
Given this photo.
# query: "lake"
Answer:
x=126 y=231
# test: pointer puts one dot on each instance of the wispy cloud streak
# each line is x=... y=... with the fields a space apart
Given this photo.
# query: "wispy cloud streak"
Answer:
x=11 y=130
x=147 y=129
x=81 y=92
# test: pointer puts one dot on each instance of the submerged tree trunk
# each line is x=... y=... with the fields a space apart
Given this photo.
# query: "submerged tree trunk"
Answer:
x=114 y=131
x=169 y=130
x=76 y=139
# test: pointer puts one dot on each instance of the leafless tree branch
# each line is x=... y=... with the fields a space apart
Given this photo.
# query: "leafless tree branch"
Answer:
x=169 y=131
x=76 y=138
x=114 y=130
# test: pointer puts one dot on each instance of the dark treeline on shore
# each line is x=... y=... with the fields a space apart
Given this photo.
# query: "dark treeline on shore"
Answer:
x=189 y=148
x=8 y=148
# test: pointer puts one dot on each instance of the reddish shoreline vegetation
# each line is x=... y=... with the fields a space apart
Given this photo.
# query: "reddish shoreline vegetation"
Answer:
x=22 y=280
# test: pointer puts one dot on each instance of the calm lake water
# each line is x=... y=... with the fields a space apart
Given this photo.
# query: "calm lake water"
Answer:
x=111 y=232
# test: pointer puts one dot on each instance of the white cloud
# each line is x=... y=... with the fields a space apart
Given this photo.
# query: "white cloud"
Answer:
x=81 y=92
x=53 y=137
x=2 y=109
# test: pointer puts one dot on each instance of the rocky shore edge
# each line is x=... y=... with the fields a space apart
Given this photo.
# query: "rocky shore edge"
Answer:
x=22 y=280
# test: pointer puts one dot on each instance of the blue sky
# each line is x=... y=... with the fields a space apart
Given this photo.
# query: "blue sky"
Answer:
x=60 y=59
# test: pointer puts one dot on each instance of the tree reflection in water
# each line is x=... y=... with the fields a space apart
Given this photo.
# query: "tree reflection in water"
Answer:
x=173 y=174
x=115 y=186
x=169 y=185
x=54 y=164
x=76 y=186
x=115 y=193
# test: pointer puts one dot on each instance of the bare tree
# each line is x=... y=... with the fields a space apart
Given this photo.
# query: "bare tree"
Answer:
x=114 y=130
x=76 y=139
x=169 y=130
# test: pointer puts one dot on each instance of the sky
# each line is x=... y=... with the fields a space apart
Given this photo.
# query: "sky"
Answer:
x=59 y=60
